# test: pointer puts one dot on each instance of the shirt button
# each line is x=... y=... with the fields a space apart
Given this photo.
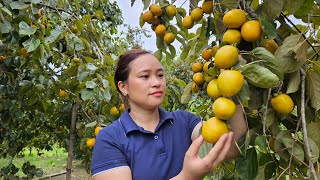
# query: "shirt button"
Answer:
x=155 y=137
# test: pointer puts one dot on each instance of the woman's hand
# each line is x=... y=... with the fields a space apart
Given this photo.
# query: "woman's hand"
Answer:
x=195 y=167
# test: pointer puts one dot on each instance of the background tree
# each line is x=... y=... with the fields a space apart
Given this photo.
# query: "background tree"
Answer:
x=55 y=54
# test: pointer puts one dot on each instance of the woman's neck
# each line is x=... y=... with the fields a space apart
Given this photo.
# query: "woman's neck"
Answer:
x=148 y=119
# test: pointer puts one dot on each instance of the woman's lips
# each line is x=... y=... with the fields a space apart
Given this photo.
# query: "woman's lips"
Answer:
x=156 y=93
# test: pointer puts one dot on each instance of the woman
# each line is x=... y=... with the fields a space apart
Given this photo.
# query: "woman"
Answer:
x=147 y=142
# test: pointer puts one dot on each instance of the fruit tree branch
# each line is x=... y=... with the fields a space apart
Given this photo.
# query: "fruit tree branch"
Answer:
x=304 y=125
x=246 y=6
x=193 y=5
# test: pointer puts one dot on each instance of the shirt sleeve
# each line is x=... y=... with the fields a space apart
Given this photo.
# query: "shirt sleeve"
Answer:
x=107 y=153
x=193 y=121
x=189 y=120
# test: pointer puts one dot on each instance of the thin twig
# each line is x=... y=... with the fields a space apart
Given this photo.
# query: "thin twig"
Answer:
x=303 y=35
x=243 y=110
x=265 y=114
x=282 y=173
x=304 y=126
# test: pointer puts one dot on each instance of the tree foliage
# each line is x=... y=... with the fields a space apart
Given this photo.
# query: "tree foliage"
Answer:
x=52 y=46
x=276 y=145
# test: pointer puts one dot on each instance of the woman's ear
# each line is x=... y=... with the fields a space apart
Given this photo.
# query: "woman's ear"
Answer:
x=122 y=87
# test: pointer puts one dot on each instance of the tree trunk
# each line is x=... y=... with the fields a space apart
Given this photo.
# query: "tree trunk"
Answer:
x=72 y=132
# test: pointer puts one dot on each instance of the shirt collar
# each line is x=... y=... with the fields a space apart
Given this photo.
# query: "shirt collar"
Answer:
x=129 y=125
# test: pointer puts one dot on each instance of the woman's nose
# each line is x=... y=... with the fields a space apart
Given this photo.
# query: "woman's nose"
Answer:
x=156 y=82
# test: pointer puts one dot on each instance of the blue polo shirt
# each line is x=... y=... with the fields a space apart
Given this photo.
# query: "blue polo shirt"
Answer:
x=149 y=155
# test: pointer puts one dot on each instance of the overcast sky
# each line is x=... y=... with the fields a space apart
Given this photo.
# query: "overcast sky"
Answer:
x=131 y=16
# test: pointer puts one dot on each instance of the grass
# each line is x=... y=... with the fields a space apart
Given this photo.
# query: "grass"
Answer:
x=49 y=161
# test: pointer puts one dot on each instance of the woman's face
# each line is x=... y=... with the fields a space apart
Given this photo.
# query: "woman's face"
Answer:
x=146 y=84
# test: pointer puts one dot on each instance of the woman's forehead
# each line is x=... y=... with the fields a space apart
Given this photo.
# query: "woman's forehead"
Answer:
x=146 y=62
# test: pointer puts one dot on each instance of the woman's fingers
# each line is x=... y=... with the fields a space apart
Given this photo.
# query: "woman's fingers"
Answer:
x=220 y=149
x=194 y=147
x=224 y=151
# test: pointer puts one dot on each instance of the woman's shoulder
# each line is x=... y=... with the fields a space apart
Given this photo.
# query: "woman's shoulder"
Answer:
x=180 y=112
x=111 y=130
x=183 y=115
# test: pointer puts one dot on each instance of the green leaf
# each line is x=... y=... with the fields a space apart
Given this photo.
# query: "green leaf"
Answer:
x=146 y=4
x=31 y=44
x=74 y=43
x=301 y=50
x=159 y=42
x=179 y=82
x=181 y=11
x=90 y=84
x=244 y=93
x=279 y=146
x=92 y=124
x=204 y=149
x=173 y=29
x=268 y=28
x=5 y=28
x=141 y=21
x=32 y=100
x=297 y=149
x=247 y=166
x=292 y=53
x=158 y=54
x=105 y=83
x=259 y=76
x=202 y=108
x=271 y=8
x=294 y=82
x=270 y=117
x=313 y=130
x=18 y=5
x=291 y=6
x=314 y=150
x=260 y=141
x=82 y=76
x=7 y=11
x=25 y=29
x=316 y=66
x=186 y=95
x=270 y=62
x=266 y=171
x=91 y=67
x=231 y=4
x=218 y=24
x=305 y=9
x=55 y=33
x=168 y=58
x=172 y=50
x=313 y=88
x=87 y=94
x=79 y=24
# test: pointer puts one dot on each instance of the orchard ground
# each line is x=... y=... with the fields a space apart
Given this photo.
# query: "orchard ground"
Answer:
x=51 y=162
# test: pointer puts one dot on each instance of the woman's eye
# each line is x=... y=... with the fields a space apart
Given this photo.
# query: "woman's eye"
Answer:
x=144 y=76
x=160 y=75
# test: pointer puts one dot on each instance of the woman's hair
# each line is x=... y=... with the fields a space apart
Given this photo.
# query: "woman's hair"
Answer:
x=123 y=66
